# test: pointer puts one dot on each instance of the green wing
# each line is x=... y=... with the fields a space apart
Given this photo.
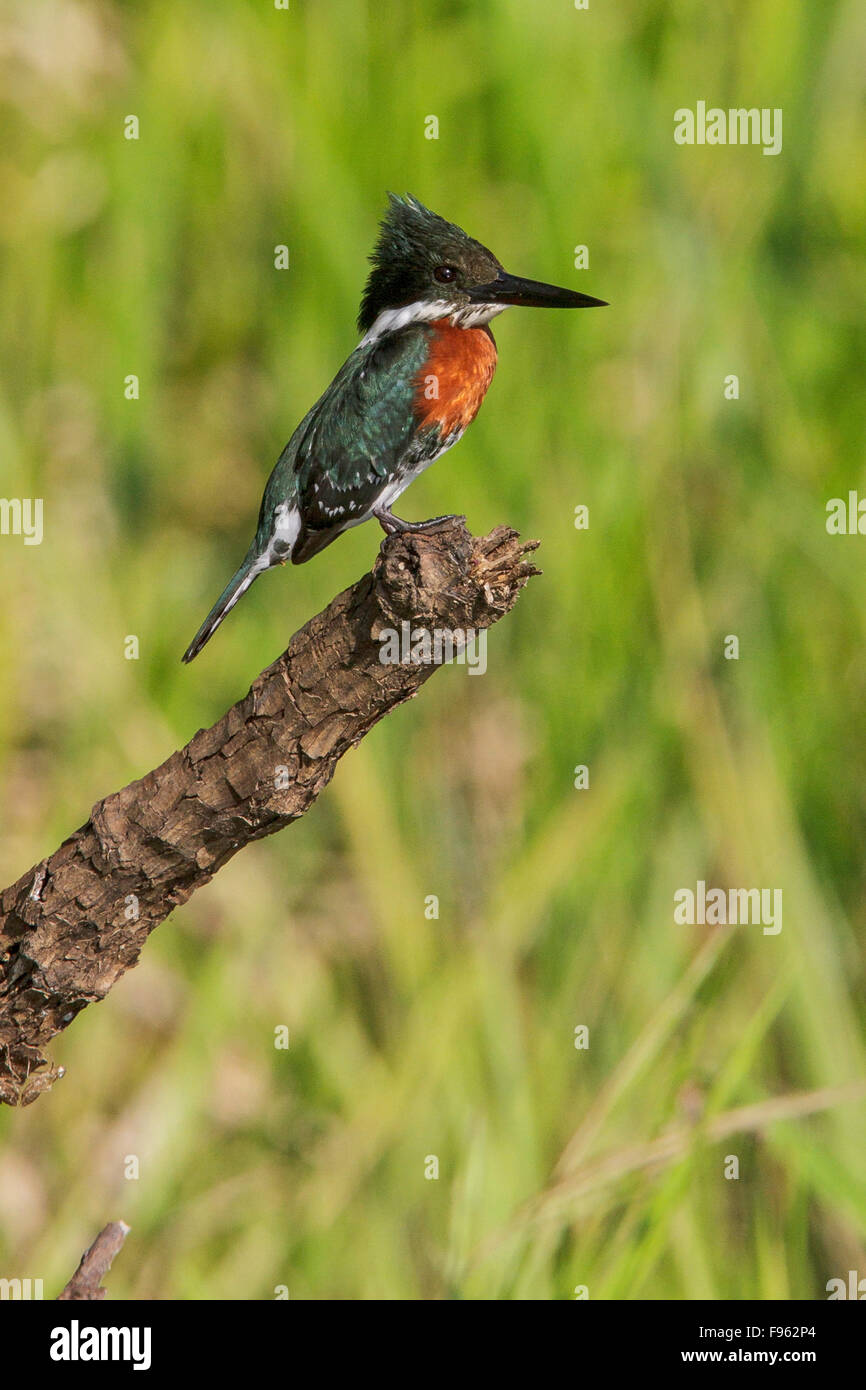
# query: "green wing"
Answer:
x=347 y=448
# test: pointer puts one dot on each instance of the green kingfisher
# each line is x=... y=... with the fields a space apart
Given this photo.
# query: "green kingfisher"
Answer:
x=405 y=395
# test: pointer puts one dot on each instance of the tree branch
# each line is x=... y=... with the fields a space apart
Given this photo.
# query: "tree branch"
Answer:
x=95 y=1264
x=72 y=925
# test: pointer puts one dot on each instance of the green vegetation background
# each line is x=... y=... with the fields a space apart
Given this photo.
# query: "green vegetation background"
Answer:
x=452 y=1037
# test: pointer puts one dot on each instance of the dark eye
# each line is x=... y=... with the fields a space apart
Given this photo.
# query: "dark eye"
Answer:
x=444 y=274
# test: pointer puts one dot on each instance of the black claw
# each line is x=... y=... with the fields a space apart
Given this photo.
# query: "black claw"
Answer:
x=394 y=525
x=391 y=525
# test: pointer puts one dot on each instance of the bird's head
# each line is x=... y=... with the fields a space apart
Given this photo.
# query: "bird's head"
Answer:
x=426 y=268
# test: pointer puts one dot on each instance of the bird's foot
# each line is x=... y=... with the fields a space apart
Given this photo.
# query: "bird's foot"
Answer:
x=395 y=526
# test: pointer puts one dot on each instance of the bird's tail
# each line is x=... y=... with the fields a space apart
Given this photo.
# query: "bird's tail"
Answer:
x=251 y=568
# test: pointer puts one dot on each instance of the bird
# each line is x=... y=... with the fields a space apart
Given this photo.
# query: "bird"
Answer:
x=403 y=397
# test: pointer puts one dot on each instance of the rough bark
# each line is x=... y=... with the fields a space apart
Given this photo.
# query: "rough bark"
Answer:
x=84 y=1286
x=72 y=925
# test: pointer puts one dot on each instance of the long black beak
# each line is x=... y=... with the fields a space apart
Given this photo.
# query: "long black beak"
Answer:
x=534 y=294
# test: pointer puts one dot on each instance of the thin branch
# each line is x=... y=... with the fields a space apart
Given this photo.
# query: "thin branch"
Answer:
x=71 y=926
x=95 y=1264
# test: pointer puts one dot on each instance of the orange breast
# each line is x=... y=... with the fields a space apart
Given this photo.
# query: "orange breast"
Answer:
x=452 y=384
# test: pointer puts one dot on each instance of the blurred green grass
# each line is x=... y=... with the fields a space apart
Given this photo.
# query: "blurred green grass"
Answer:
x=451 y=1037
